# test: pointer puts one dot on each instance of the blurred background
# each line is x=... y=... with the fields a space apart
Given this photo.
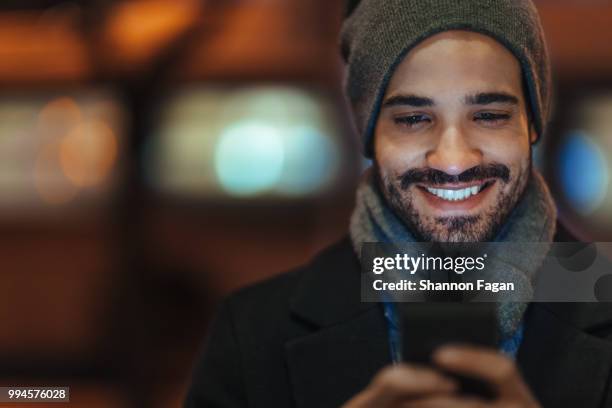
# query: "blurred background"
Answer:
x=158 y=154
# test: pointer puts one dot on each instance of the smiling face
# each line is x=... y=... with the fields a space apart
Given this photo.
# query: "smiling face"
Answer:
x=453 y=141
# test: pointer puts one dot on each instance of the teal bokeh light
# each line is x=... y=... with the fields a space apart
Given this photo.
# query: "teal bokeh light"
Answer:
x=311 y=160
x=249 y=158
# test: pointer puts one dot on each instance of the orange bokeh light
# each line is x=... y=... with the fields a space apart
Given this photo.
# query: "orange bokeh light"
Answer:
x=88 y=153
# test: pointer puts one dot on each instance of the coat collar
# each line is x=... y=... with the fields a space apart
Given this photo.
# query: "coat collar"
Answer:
x=348 y=344
x=329 y=290
x=329 y=366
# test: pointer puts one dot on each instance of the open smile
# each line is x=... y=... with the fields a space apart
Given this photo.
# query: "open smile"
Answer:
x=458 y=192
x=456 y=198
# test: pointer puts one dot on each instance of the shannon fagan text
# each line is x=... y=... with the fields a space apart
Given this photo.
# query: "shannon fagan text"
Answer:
x=427 y=285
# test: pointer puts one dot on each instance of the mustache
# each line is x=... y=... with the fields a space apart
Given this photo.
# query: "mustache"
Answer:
x=434 y=177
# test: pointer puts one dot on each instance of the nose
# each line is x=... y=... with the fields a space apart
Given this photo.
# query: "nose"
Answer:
x=453 y=153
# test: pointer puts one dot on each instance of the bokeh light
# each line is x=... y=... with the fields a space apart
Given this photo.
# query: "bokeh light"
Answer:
x=51 y=184
x=249 y=158
x=311 y=161
x=88 y=153
x=583 y=171
x=257 y=141
x=60 y=114
x=55 y=149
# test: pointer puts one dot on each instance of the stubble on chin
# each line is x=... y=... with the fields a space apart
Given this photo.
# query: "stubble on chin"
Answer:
x=481 y=227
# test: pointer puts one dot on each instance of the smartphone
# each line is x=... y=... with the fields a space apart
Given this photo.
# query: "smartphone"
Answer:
x=426 y=326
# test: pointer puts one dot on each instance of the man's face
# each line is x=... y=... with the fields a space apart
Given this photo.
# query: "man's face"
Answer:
x=453 y=141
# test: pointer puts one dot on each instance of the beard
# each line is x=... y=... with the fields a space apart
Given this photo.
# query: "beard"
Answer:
x=480 y=227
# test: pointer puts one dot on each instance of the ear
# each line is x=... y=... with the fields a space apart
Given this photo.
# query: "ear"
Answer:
x=533 y=135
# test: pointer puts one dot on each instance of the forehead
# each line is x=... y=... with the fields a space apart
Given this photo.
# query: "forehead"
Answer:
x=457 y=61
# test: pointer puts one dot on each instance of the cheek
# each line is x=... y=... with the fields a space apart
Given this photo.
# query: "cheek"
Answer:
x=396 y=154
x=513 y=155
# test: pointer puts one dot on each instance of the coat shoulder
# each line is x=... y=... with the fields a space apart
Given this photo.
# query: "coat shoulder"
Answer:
x=259 y=324
x=279 y=288
x=262 y=302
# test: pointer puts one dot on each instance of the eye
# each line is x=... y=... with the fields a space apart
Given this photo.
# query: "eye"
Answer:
x=412 y=120
x=491 y=117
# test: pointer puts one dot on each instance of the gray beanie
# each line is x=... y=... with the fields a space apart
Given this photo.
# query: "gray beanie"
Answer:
x=377 y=35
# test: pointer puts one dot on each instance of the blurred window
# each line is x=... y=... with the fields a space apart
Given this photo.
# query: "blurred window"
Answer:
x=57 y=149
x=258 y=141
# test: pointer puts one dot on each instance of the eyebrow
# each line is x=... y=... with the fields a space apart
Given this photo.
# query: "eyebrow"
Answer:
x=482 y=98
x=487 y=98
x=408 y=100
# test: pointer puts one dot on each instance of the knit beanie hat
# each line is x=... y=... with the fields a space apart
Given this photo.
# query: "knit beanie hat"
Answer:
x=377 y=34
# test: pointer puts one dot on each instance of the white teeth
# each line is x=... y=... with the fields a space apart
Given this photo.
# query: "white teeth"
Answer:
x=454 y=195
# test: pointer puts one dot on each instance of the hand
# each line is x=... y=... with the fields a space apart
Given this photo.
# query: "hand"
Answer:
x=491 y=366
x=415 y=387
x=396 y=385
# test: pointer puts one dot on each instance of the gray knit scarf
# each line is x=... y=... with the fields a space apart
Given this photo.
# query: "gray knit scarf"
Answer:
x=532 y=220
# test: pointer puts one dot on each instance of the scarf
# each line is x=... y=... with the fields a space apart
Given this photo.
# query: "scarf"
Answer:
x=532 y=220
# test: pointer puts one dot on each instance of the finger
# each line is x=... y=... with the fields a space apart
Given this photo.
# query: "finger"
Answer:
x=486 y=364
x=402 y=381
x=446 y=402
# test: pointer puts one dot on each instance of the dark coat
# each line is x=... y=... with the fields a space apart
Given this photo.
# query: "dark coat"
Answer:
x=304 y=339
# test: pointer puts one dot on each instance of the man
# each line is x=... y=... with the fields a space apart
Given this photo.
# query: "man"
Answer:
x=449 y=96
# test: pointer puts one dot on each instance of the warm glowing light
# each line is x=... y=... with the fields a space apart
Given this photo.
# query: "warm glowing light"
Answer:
x=57 y=149
x=35 y=47
x=51 y=185
x=88 y=153
x=138 y=29
x=62 y=114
